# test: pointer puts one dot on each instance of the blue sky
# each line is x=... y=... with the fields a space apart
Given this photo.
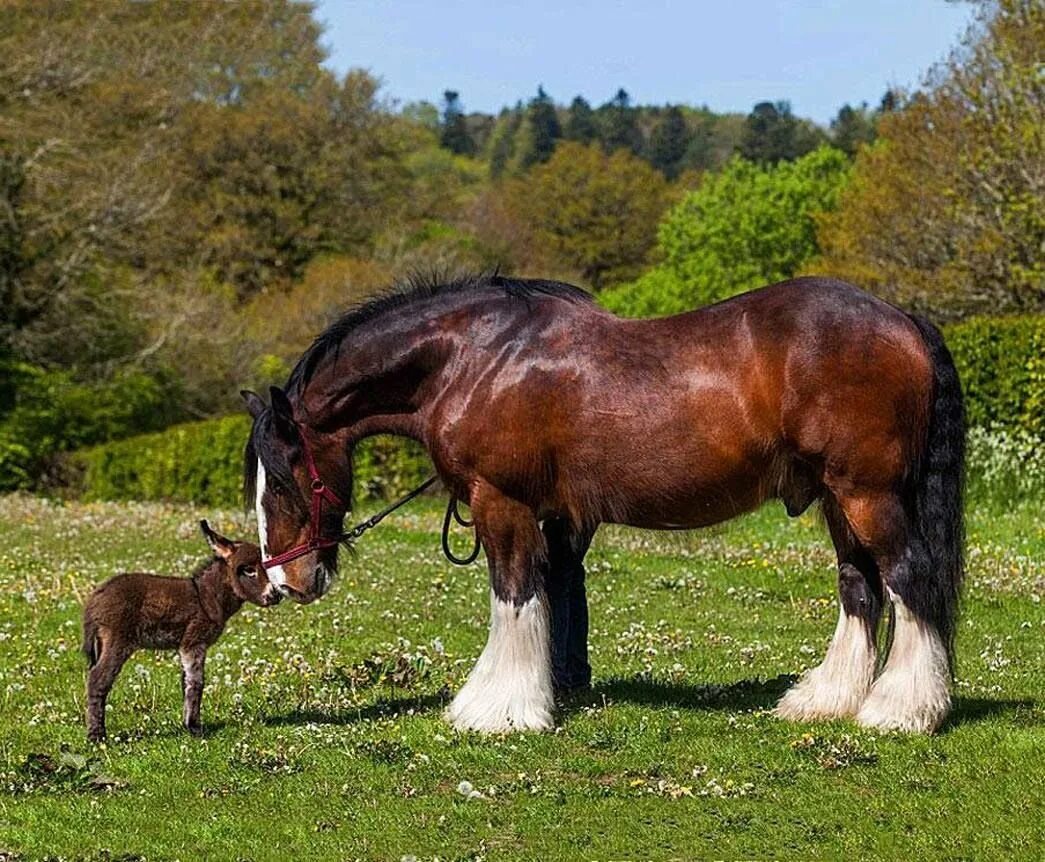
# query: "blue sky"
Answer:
x=725 y=54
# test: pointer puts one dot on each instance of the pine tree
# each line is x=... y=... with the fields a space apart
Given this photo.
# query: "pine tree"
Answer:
x=540 y=131
x=852 y=127
x=454 y=135
x=669 y=142
x=619 y=122
x=580 y=122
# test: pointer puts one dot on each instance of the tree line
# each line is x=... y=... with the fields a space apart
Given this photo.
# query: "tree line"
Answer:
x=187 y=195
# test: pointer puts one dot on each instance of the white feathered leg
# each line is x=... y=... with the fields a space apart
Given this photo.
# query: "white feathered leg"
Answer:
x=510 y=687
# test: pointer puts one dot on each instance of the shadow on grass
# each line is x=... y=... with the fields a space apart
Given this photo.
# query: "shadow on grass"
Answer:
x=743 y=694
x=973 y=710
x=383 y=708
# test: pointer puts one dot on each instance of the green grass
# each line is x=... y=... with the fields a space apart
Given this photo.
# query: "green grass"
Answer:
x=325 y=741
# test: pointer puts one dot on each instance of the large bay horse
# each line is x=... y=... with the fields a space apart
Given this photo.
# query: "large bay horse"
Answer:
x=550 y=416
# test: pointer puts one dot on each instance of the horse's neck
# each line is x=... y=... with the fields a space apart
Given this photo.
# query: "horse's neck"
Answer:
x=375 y=389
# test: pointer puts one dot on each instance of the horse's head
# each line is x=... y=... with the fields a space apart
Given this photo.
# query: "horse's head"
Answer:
x=297 y=479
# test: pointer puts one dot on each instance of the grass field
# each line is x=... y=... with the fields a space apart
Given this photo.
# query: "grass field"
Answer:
x=324 y=737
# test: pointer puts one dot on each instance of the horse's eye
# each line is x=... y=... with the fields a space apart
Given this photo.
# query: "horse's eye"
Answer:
x=248 y=571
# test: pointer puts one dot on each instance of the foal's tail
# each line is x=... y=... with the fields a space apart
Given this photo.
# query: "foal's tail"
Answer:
x=937 y=496
x=90 y=642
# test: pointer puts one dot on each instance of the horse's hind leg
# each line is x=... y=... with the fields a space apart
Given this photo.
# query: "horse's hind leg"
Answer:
x=510 y=687
x=838 y=685
x=100 y=679
x=568 y=603
x=912 y=693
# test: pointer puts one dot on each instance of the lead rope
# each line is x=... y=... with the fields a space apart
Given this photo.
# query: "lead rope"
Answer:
x=350 y=536
x=451 y=512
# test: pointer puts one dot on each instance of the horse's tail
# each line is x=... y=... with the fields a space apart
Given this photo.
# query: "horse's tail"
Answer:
x=937 y=493
x=90 y=641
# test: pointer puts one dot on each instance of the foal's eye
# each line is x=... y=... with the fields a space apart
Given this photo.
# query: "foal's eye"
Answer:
x=248 y=571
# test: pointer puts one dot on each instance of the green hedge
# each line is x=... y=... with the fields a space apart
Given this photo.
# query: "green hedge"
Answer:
x=202 y=462
x=1001 y=362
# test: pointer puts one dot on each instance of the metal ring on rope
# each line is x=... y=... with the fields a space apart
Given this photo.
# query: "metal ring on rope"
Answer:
x=452 y=512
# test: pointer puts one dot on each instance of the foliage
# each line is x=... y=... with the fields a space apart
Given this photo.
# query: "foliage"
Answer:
x=1001 y=363
x=1005 y=465
x=454 y=134
x=669 y=142
x=597 y=212
x=580 y=122
x=742 y=228
x=946 y=213
x=44 y=413
x=773 y=134
x=202 y=463
x=853 y=127
x=618 y=124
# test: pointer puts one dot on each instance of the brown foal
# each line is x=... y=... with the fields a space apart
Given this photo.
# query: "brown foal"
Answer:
x=134 y=611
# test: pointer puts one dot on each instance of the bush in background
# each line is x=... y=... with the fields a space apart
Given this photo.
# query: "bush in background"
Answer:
x=202 y=463
x=1001 y=362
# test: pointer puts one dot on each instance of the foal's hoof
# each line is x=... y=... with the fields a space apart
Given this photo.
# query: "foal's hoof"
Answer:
x=195 y=729
x=96 y=735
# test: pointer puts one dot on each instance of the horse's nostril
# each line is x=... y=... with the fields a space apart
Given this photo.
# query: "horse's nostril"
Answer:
x=291 y=593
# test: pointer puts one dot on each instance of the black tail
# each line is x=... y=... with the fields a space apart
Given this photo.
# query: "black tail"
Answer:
x=90 y=642
x=938 y=496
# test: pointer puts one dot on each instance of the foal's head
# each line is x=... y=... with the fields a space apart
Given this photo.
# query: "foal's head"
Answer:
x=242 y=564
x=282 y=488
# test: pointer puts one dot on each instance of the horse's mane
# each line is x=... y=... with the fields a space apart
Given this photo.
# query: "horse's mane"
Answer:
x=413 y=290
x=400 y=295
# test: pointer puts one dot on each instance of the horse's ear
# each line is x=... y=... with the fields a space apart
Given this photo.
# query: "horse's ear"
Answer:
x=254 y=403
x=283 y=413
x=221 y=546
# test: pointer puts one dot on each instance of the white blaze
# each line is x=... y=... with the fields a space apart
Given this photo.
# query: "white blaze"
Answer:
x=275 y=574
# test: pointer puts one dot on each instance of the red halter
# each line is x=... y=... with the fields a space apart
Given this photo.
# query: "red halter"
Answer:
x=320 y=492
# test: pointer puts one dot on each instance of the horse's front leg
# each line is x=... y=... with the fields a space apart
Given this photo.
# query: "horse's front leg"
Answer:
x=510 y=687
x=568 y=603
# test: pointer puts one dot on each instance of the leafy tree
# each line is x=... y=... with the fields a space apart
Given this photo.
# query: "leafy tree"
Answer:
x=454 y=135
x=946 y=213
x=597 y=212
x=744 y=227
x=503 y=140
x=669 y=142
x=772 y=134
x=539 y=131
x=580 y=122
x=853 y=127
x=619 y=126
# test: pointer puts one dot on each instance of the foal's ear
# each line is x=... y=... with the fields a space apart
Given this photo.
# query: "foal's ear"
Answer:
x=283 y=413
x=221 y=546
x=255 y=405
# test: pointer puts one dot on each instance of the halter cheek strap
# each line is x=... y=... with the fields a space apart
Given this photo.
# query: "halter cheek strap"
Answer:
x=320 y=494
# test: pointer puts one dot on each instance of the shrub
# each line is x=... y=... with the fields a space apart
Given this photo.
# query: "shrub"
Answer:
x=1001 y=362
x=43 y=413
x=201 y=462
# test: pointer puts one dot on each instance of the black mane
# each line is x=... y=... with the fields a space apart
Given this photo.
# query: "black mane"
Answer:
x=412 y=290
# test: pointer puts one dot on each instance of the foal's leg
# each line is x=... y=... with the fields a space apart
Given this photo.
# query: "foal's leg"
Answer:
x=569 y=603
x=913 y=691
x=100 y=679
x=192 y=659
x=510 y=687
x=838 y=685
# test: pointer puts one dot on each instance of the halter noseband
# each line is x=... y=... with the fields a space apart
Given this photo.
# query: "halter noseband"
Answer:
x=320 y=493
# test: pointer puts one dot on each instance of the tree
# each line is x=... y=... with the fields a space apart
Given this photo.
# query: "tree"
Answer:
x=744 y=227
x=503 y=140
x=597 y=212
x=580 y=122
x=618 y=124
x=669 y=142
x=772 y=134
x=538 y=134
x=853 y=127
x=946 y=213
x=454 y=129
